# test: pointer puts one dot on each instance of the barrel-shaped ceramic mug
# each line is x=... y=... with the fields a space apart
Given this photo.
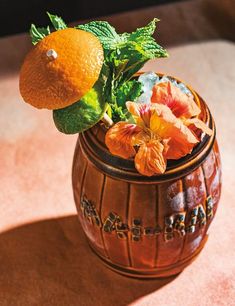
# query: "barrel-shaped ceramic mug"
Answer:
x=146 y=226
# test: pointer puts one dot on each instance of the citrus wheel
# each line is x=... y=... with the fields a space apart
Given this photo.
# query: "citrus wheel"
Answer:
x=61 y=68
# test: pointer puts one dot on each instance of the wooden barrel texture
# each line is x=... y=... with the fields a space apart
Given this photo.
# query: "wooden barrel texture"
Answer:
x=146 y=227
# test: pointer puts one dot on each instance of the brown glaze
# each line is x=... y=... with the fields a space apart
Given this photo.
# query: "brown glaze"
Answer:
x=126 y=216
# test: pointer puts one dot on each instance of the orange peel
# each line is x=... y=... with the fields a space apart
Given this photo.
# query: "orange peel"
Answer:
x=61 y=68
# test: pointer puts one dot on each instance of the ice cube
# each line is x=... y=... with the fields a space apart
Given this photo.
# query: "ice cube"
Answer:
x=184 y=89
x=180 y=85
x=148 y=80
x=165 y=79
x=145 y=97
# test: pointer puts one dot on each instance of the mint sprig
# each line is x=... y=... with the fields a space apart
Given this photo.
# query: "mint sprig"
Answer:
x=57 y=22
x=125 y=54
x=38 y=34
x=104 y=31
x=128 y=91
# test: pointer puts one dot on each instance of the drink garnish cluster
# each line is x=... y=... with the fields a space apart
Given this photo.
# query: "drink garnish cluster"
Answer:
x=86 y=75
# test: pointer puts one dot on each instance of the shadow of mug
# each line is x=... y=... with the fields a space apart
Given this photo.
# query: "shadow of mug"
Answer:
x=50 y=263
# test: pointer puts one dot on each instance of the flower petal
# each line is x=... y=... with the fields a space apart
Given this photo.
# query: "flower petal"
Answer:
x=179 y=148
x=140 y=138
x=133 y=108
x=199 y=124
x=118 y=139
x=149 y=160
x=167 y=126
x=141 y=113
x=180 y=104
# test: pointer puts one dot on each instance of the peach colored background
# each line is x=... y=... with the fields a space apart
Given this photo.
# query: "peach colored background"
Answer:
x=44 y=257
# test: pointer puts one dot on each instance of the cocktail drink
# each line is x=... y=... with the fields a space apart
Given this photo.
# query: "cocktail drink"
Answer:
x=146 y=169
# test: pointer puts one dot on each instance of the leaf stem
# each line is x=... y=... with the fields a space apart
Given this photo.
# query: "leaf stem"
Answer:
x=107 y=120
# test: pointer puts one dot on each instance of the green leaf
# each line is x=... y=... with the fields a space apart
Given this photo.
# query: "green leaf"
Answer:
x=104 y=32
x=81 y=115
x=38 y=34
x=129 y=91
x=127 y=61
x=144 y=42
x=146 y=31
x=125 y=54
x=57 y=22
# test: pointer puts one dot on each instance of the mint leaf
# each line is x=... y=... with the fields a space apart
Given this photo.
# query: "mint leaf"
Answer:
x=146 y=31
x=57 y=22
x=37 y=34
x=129 y=91
x=104 y=32
x=142 y=41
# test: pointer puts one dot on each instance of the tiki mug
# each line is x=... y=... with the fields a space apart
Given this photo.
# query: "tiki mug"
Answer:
x=146 y=226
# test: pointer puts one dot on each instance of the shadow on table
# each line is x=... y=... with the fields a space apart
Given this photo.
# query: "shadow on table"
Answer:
x=50 y=263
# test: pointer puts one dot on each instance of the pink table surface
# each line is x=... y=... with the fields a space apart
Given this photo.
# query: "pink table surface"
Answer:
x=44 y=257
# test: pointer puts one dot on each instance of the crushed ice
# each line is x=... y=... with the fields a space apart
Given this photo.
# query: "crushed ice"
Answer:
x=149 y=79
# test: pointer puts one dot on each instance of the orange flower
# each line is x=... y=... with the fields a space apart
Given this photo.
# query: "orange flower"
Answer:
x=172 y=96
x=150 y=159
x=158 y=134
x=181 y=105
x=119 y=139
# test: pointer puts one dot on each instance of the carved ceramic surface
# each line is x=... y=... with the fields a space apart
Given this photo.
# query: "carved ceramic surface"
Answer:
x=142 y=226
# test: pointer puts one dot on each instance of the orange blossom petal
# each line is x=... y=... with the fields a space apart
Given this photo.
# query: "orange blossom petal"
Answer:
x=118 y=139
x=179 y=103
x=149 y=160
x=167 y=126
